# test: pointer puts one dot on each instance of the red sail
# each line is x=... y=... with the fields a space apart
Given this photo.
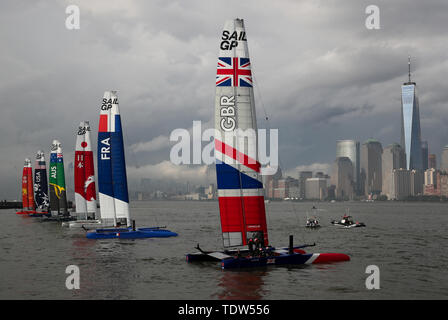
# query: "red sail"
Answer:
x=25 y=189
x=29 y=174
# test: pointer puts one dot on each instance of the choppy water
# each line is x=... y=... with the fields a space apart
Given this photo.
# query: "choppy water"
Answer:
x=407 y=241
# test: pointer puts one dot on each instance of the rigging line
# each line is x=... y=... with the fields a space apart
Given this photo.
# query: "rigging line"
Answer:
x=267 y=121
x=128 y=143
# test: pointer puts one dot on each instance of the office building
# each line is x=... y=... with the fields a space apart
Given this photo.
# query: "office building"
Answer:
x=393 y=157
x=410 y=124
x=342 y=179
x=371 y=167
x=351 y=150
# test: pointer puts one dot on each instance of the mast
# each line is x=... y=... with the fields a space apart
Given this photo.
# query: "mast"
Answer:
x=240 y=188
x=113 y=187
x=58 y=196
x=27 y=187
x=40 y=183
x=79 y=171
x=89 y=186
x=85 y=191
x=54 y=190
x=62 y=195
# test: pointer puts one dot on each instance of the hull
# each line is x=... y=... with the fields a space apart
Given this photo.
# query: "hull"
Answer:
x=341 y=225
x=60 y=218
x=128 y=233
x=36 y=214
x=87 y=224
x=25 y=212
x=280 y=257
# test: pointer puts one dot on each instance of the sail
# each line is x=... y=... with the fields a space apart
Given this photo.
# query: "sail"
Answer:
x=79 y=170
x=27 y=186
x=240 y=187
x=58 y=197
x=112 y=181
x=40 y=183
x=89 y=172
x=54 y=200
x=85 y=192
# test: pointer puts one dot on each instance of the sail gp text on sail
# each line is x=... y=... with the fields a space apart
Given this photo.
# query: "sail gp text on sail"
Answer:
x=230 y=41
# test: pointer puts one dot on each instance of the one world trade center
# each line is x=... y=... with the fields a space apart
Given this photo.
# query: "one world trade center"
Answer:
x=410 y=124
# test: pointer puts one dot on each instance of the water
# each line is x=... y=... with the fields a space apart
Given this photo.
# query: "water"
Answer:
x=407 y=241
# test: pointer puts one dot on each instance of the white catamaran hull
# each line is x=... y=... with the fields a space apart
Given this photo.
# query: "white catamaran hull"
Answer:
x=88 y=224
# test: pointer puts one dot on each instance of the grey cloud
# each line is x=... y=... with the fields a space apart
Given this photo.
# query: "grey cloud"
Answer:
x=320 y=74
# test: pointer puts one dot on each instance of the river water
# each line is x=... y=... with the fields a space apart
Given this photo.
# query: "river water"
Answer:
x=407 y=241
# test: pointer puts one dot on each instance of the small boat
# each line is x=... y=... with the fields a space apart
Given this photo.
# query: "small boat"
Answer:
x=347 y=222
x=312 y=223
x=238 y=173
x=112 y=179
x=58 y=196
x=28 y=206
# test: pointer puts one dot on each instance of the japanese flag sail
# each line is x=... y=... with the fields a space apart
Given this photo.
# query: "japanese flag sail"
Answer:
x=112 y=180
x=80 y=177
x=85 y=192
x=240 y=187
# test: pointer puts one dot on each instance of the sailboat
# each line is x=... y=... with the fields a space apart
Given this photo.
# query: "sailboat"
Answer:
x=41 y=186
x=58 y=196
x=240 y=187
x=85 y=190
x=27 y=189
x=112 y=179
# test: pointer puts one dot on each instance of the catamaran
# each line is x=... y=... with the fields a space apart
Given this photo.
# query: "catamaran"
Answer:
x=85 y=190
x=58 y=196
x=240 y=187
x=112 y=180
x=28 y=206
x=41 y=186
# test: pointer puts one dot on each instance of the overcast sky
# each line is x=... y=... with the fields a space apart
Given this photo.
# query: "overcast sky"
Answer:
x=320 y=74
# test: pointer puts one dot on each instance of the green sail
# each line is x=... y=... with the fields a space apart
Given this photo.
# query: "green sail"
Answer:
x=58 y=196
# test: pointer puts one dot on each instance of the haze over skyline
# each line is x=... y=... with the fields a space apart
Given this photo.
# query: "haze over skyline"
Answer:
x=319 y=73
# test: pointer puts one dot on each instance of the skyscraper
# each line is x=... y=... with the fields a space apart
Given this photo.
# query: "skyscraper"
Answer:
x=350 y=149
x=342 y=178
x=425 y=155
x=393 y=158
x=371 y=172
x=432 y=162
x=303 y=175
x=410 y=124
x=444 y=159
